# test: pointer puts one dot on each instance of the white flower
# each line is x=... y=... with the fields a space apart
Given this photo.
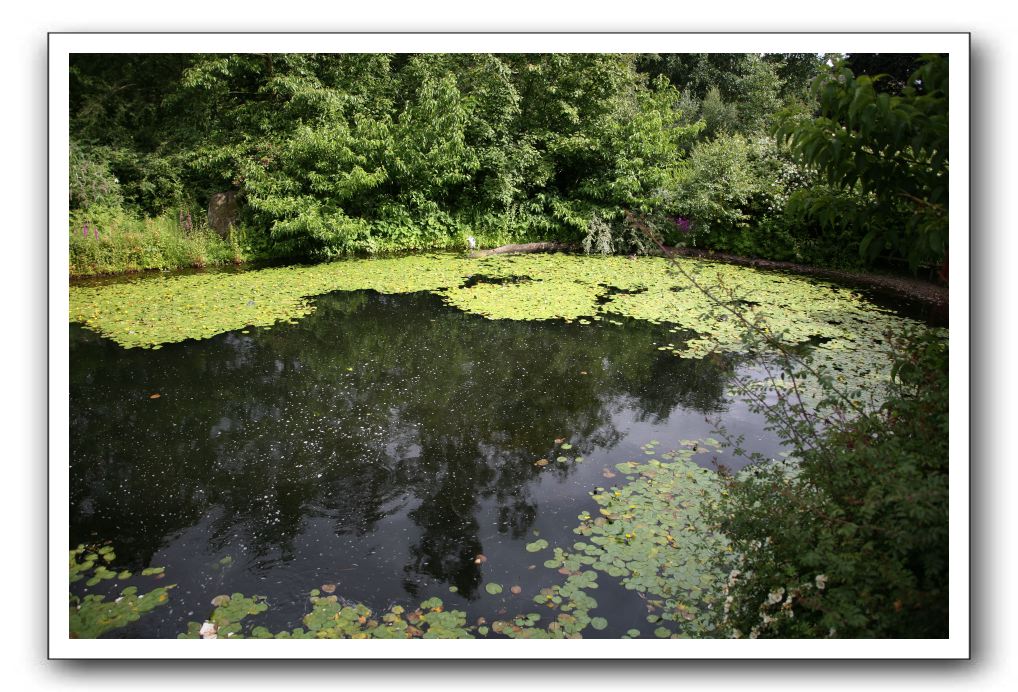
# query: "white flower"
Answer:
x=821 y=581
x=775 y=596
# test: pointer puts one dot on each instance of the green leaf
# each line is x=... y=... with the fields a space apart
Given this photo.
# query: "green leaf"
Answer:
x=537 y=545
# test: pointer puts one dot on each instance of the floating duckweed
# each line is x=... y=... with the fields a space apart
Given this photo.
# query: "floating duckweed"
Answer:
x=847 y=329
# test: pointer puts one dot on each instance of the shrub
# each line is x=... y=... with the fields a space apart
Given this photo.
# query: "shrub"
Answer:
x=850 y=540
x=715 y=186
x=91 y=183
x=889 y=150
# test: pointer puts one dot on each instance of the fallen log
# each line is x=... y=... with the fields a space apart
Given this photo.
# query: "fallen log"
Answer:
x=524 y=247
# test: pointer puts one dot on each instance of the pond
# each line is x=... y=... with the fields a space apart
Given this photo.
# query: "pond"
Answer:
x=382 y=447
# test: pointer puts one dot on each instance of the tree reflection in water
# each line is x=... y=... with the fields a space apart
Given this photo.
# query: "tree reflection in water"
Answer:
x=376 y=408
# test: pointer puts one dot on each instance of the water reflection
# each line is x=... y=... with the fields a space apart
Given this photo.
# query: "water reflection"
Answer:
x=399 y=424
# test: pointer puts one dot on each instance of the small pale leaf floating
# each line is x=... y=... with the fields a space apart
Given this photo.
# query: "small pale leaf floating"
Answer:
x=220 y=600
x=329 y=588
x=493 y=588
x=154 y=396
x=541 y=462
x=567 y=446
x=479 y=559
x=516 y=589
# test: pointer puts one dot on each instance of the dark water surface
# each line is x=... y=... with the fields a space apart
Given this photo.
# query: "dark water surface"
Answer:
x=380 y=444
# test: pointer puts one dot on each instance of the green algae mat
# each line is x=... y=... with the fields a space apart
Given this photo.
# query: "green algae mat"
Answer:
x=847 y=332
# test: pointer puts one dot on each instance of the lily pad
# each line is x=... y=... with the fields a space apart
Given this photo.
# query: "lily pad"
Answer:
x=539 y=544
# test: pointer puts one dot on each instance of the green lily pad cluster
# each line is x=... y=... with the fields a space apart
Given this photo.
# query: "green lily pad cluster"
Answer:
x=847 y=330
x=571 y=605
x=227 y=616
x=92 y=615
x=331 y=618
x=651 y=535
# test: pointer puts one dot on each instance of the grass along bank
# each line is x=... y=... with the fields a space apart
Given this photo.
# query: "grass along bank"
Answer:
x=110 y=241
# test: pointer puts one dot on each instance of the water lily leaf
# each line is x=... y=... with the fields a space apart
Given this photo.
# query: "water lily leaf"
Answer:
x=598 y=623
x=539 y=544
x=493 y=588
x=566 y=445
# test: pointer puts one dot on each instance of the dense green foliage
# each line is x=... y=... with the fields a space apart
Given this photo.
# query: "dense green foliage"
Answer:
x=333 y=154
x=343 y=153
x=884 y=158
x=851 y=540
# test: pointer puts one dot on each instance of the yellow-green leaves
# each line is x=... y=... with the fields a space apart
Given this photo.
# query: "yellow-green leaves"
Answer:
x=585 y=291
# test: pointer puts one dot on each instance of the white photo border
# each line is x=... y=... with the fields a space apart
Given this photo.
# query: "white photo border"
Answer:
x=957 y=45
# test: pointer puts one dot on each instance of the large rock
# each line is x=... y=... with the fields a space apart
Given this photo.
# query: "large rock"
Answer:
x=223 y=212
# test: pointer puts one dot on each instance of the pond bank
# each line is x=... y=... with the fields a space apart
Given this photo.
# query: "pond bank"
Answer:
x=900 y=287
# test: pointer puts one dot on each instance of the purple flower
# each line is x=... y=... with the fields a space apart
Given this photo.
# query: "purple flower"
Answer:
x=683 y=224
x=84 y=230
